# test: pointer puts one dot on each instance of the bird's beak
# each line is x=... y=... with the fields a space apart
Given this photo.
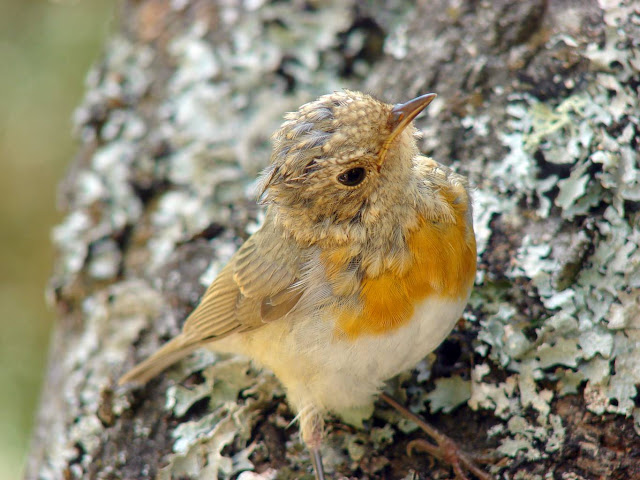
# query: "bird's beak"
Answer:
x=401 y=116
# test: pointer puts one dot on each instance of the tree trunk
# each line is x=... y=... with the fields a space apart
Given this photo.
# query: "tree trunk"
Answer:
x=537 y=104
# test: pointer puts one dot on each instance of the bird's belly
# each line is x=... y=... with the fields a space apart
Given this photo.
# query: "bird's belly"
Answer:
x=338 y=374
x=359 y=367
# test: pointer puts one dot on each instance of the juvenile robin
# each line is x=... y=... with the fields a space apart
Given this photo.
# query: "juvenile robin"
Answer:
x=363 y=265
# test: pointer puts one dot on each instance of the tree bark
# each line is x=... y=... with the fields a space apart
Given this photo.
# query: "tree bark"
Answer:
x=537 y=104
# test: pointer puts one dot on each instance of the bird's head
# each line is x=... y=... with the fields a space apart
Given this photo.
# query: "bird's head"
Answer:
x=342 y=155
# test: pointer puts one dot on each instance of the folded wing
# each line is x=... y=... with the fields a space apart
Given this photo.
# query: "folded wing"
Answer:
x=258 y=285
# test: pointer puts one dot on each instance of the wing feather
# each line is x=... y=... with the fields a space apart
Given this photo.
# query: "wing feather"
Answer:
x=259 y=284
x=265 y=267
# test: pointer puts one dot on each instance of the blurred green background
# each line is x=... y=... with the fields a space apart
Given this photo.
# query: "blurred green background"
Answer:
x=46 y=49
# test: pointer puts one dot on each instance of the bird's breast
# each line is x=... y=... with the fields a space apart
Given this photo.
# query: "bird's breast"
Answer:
x=441 y=265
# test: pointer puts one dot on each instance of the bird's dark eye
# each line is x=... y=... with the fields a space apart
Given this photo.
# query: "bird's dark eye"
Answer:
x=352 y=177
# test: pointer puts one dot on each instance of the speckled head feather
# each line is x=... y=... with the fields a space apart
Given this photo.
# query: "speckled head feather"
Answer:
x=326 y=138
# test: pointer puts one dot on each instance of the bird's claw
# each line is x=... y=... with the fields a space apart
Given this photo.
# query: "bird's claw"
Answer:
x=449 y=452
x=444 y=448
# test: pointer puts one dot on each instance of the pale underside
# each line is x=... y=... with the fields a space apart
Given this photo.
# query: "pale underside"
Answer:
x=341 y=374
x=277 y=303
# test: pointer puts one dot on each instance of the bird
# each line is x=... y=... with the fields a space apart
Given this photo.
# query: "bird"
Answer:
x=362 y=267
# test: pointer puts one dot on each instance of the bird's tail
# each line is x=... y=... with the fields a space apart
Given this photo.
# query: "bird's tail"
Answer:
x=163 y=358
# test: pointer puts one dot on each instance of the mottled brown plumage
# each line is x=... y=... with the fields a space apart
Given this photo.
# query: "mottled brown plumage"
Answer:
x=363 y=265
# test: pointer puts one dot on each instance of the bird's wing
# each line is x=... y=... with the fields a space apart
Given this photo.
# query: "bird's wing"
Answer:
x=258 y=285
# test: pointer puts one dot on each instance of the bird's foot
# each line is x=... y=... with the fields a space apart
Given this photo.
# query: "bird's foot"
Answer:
x=449 y=452
x=444 y=448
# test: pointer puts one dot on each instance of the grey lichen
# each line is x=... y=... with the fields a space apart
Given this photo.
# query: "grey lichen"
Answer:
x=210 y=135
x=198 y=444
x=148 y=183
x=113 y=318
x=448 y=394
x=589 y=336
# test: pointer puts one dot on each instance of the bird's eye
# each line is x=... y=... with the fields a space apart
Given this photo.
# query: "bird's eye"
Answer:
x=352 y=177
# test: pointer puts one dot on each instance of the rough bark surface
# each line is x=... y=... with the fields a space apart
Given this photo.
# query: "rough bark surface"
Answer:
x=537 y=104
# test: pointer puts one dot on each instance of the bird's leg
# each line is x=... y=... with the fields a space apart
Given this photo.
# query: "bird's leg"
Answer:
x=444 y=449
x=312 y=432
x=316 y=460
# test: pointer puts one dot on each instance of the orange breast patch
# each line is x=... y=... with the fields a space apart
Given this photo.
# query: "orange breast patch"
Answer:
x=444 y=264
